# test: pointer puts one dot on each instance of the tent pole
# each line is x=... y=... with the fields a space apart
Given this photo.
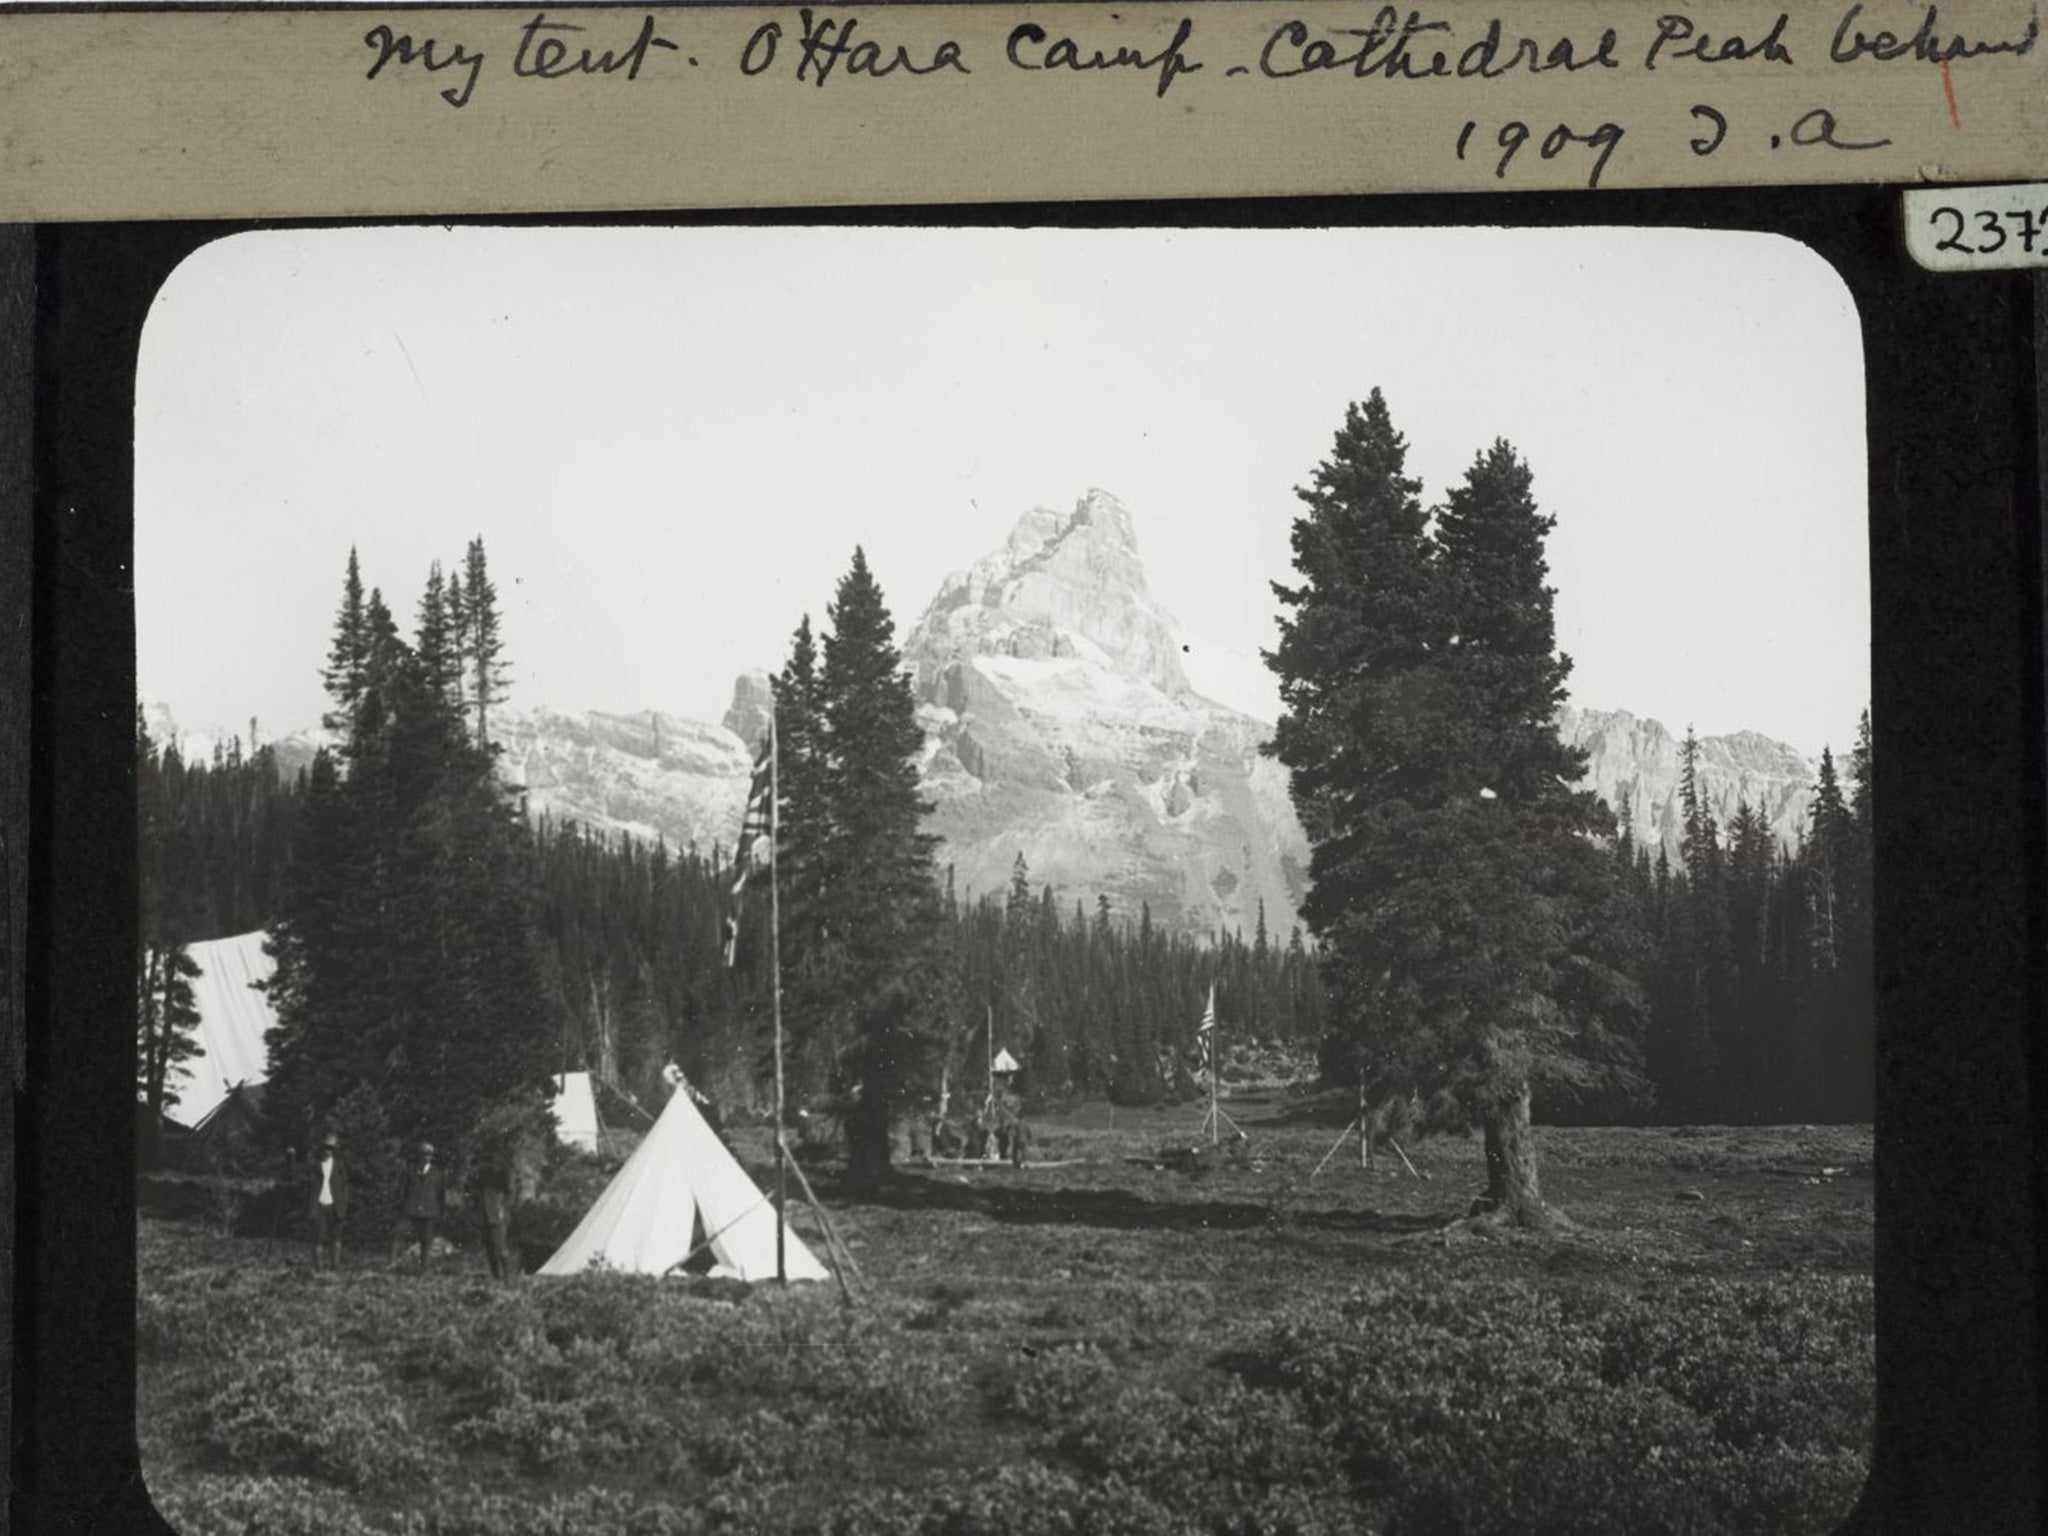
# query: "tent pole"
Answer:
x=832 y=1239
x=1404 y=1159
x=1342 y=1137
x=775 y=956
x=1364 y=1126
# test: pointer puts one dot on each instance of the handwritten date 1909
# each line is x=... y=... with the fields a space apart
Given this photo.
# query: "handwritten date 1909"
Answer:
x=1514 y=135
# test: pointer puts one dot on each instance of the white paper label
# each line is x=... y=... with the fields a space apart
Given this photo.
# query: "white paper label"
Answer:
x=1978 y=229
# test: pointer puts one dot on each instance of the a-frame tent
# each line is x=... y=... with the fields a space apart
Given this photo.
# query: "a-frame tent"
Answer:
x=680 y=1182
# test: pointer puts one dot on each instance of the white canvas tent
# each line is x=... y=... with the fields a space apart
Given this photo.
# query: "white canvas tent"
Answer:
x=233 y=1017
x=576 y=1111
x=679 y=1180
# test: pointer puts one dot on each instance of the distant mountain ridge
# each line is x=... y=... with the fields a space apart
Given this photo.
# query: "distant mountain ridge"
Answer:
x=1635 y=762
x=1060 y=723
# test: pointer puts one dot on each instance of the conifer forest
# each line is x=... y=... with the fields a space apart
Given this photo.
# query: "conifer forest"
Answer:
x=1278 y=1253
x=435 y=945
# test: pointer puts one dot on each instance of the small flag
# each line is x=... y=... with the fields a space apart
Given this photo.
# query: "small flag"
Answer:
x=754 y=827
x=1206 y=1030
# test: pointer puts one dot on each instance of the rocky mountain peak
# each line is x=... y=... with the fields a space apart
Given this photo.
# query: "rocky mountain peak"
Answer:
x=1063 y=585
x=753 y=701
x=1060 y=726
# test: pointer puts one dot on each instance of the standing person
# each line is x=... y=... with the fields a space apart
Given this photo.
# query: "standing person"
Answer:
x=423 y=1200
x=328 y=1201
x=494 y=1212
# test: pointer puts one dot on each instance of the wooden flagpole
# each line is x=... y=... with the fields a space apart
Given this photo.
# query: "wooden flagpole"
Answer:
x=1215 y=1057
x=775 y=958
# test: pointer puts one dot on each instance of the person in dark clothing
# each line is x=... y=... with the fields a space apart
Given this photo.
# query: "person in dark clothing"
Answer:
x=494 y=1213
x=422 y=1201
x=327 y=1201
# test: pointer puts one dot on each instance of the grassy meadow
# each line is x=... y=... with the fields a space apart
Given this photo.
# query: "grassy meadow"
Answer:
x=1104 y=1347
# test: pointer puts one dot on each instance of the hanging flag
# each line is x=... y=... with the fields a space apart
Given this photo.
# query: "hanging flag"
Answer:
x=1207 y=1028
x=754 y=828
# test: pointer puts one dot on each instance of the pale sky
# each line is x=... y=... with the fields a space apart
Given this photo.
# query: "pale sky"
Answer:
x=671 y=440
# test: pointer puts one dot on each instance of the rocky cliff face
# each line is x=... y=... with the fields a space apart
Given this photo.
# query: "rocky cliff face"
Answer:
x=1634 y=762
x=1059 y=725
x=650 y=775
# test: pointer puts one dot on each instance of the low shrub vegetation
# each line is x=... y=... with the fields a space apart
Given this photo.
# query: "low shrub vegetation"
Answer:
x=1104 y=1349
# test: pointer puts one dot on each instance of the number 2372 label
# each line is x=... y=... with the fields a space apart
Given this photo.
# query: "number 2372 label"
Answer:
x=1978 y=229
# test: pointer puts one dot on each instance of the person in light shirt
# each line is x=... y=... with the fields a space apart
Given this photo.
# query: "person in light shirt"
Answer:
x=329 y=1202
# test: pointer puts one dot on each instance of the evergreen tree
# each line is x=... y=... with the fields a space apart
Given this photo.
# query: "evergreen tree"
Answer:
x=1363 y=614
x=168 y=1021
x=1745 y=1044
x=1836 y=1012
x=1859 y=776
x=348 y=659
x=438 y=647
x=802 y=866
x=1859 y=948
x=482 y=645
x=457 y=605
x=1456 y=882
x=407 y=961
x=1700 y=954
x=1017 y=912
x=882 y=906
x=1827 y=846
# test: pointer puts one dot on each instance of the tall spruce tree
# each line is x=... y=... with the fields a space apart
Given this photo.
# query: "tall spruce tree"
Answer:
x=803 y=868
x=482 y=645
x=882 y=906
x=167 y=1023
x=1456 y=877
x=1701 y=966
x=164 y=1030
x=407 y=959
x=1838 y=1009
x=348 y=658
x=1859 y=942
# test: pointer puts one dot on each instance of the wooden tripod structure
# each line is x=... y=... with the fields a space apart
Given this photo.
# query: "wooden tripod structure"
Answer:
x=1361 y=1125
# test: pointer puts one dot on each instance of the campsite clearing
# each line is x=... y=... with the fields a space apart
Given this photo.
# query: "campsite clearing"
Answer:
x=1098 y=1347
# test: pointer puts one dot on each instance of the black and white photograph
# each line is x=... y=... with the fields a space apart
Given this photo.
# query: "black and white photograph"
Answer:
x=831 y=880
